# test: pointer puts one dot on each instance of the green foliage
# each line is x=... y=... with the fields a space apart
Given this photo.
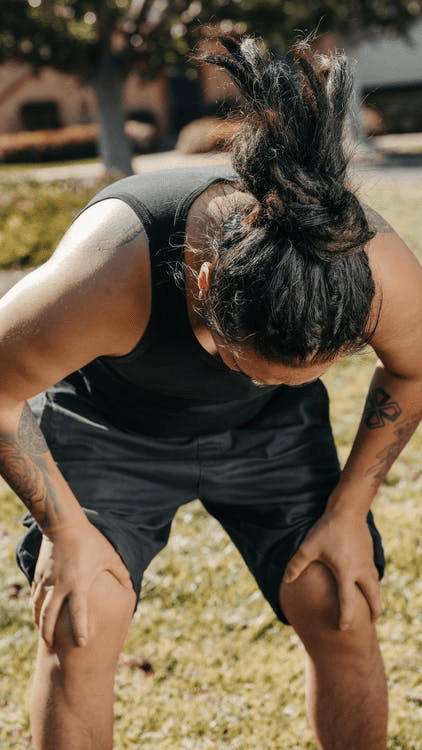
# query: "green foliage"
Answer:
x=154 y=35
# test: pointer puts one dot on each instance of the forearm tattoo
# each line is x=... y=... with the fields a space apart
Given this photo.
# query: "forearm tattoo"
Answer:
x=380 y=409
x=24 y=468
x=385 y=458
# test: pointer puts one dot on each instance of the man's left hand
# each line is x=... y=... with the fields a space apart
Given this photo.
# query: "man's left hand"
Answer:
x=342 y=542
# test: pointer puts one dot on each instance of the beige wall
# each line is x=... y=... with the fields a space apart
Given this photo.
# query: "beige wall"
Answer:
x=76 y=102
x=19 y=85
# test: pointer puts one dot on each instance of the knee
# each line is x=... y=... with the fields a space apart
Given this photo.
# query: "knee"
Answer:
x=311 y=598
x=110 y=610
x=311 y=606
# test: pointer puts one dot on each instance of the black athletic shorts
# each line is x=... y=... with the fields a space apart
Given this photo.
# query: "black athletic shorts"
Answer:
x=266 y=482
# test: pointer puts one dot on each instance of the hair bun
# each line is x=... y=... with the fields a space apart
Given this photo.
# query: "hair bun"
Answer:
x=289 y=149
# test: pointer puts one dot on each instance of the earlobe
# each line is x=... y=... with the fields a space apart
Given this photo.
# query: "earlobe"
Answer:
x=204 y=278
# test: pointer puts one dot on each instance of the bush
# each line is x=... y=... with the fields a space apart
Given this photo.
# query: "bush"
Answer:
x=70 y=142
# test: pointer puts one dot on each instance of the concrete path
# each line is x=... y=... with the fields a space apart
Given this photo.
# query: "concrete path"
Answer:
x=142 y=163
x=395 y=158
x=396 y=162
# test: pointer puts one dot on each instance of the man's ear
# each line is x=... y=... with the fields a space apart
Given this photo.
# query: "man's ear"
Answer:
x=204 y=277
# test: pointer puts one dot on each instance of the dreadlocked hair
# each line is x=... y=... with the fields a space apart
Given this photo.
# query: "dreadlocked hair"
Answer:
x=290 y=275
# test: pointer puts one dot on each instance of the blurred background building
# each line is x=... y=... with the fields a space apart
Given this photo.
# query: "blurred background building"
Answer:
x=388 y=74
x=72 y=72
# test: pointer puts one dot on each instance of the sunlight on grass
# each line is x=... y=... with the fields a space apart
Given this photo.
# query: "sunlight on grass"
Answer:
x=34 y=217
x=206 y=664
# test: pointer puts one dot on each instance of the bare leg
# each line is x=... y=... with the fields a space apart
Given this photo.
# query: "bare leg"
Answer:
x=346 y=684
x=73 y=690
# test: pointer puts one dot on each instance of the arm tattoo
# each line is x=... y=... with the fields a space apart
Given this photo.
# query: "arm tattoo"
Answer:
x=379 y=409
x=403 y=432
x=25 y=469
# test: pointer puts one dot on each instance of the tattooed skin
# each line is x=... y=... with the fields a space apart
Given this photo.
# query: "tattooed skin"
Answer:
x=379 y=409
x=26 y=471
x=403 y=432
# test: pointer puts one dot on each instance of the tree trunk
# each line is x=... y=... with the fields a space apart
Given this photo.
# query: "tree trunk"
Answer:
x=114 y=147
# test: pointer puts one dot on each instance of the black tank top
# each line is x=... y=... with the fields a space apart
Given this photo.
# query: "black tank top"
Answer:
x=169 y=384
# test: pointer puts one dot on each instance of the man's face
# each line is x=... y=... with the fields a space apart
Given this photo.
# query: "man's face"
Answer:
x=262 y=372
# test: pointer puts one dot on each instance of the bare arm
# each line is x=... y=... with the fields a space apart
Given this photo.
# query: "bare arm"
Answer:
x=25 y=468
x=92 y=298
x=393 y=407
x=391 y=413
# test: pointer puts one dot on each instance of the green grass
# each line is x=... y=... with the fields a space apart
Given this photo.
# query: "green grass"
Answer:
x=206 y=665
x=34 y=216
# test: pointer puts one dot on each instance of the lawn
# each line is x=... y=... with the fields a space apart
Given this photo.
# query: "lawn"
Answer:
x=34 y=216
x=206 y=664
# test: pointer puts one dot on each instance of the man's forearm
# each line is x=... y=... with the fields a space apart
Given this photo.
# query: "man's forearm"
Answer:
x=392 y=412
x=27 y=466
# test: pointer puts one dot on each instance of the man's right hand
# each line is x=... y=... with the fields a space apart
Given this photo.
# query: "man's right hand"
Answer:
x=68 y=564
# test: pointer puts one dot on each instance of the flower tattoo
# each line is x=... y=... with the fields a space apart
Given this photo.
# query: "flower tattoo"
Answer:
x=379 y=409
